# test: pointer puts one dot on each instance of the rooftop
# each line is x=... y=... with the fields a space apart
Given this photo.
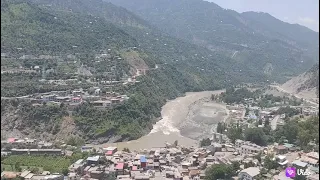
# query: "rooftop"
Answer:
x=299 y=163
x=94 y=158
x=252 y=171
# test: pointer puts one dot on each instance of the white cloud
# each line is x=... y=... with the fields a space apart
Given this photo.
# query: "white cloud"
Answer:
x=307 y=20
x=285 y=18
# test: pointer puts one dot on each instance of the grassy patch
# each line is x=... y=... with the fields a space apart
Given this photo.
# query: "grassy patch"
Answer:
x=47 y=163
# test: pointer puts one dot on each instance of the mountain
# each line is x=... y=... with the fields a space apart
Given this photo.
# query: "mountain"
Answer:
x=306 y=85
x=295 y=34
x=84 y=29
x=27 y=28
x=256 y=39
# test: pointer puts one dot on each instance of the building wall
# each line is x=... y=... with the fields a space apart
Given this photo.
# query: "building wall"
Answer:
x=245 y=176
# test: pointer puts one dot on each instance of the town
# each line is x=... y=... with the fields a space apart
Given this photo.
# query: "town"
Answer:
x=171 y=161
x=245 y=158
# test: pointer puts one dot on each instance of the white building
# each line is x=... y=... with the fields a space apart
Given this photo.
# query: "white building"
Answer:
x=246 y=147
x=249 y=173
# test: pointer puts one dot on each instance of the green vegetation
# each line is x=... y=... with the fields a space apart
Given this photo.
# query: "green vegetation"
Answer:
x=75 y=141
x=205 y=142
x=39 y=31
x=222 y=171
x=255 y=135
x=237 y=96
x=45 y=118
x=288 y=111
x=221 y=127
x=269 y=100
x=257 y=40
x=235 y=132
x=46 y=163
x=298 y=131
x=34 y=28
x=270 y=163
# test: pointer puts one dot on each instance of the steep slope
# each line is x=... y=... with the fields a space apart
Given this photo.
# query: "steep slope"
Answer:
x=305 y=85
x=26 y=28
x=297 y=33
x=227 y=31
x=58 y=28
x=291 y=33
x=193 y=60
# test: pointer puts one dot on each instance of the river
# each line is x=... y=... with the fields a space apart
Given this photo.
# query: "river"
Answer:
x=174 y=114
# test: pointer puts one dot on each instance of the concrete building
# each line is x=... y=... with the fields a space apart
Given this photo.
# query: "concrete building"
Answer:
x=249 y=173
x=246 y=147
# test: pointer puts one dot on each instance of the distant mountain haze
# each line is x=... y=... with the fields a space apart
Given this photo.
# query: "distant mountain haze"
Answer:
x=256 y=39
x=305 y=12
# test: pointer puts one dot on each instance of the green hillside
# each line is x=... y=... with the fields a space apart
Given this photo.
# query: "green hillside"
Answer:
x=27 y=28
x=74 y=27
x=256 y=40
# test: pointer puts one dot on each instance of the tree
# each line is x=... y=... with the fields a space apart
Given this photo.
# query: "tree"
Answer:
x=258 y=157
x=270 y=163
x=234 y=133
x=235 y=167
x=17 y=166
x=266 y=121
x=255 y=135
x=220 y=127
x=213 y=97
x=219 y=171
x=175 y=143
x=249 y=164
x=35 y=170
x=126 y=150
x=65 y=171
x=300 y=177
x=205 y=142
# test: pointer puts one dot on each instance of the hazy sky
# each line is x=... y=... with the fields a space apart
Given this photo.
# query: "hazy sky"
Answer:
x=304 y=12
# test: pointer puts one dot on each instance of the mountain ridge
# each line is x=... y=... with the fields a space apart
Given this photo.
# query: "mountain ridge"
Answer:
x=183 y=67
x=306 y=85
x=209 y=25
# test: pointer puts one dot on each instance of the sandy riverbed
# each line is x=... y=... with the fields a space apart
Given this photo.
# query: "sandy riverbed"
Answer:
x=174 y=114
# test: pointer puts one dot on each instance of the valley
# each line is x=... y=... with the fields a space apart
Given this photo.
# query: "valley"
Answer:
x=153 y=90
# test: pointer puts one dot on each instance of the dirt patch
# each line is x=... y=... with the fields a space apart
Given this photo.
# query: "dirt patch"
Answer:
x=67 y=128
x=135 y=60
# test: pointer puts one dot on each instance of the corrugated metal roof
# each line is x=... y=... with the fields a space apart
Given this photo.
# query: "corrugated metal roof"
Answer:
x=143 y=159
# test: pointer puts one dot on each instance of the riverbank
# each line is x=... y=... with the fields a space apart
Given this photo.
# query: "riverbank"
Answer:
x=173 y=113
x=202 y=119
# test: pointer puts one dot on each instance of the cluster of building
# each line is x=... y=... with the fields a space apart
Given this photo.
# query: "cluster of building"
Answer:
x=237 y=113
x=191 y=163
x=28 y=175
x=175 y=162
x=77 y=97
x=16 y=146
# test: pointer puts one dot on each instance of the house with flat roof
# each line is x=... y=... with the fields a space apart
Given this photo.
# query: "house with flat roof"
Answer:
x=249 y=173
x=93 y=160
x=246 y=147
x=299 y=164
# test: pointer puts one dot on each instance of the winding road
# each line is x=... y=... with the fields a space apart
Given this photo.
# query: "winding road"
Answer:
x=284 y=91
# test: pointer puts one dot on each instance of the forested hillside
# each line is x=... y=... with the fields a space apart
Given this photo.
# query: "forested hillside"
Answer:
x=86 y=28
x=258 y=40
x=27 y=28
x=89 y=29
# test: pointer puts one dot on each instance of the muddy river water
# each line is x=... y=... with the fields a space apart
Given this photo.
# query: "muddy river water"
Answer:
x=185 y=119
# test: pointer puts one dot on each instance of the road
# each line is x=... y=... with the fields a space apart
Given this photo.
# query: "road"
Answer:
x=283 y=90
x=274 y=122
